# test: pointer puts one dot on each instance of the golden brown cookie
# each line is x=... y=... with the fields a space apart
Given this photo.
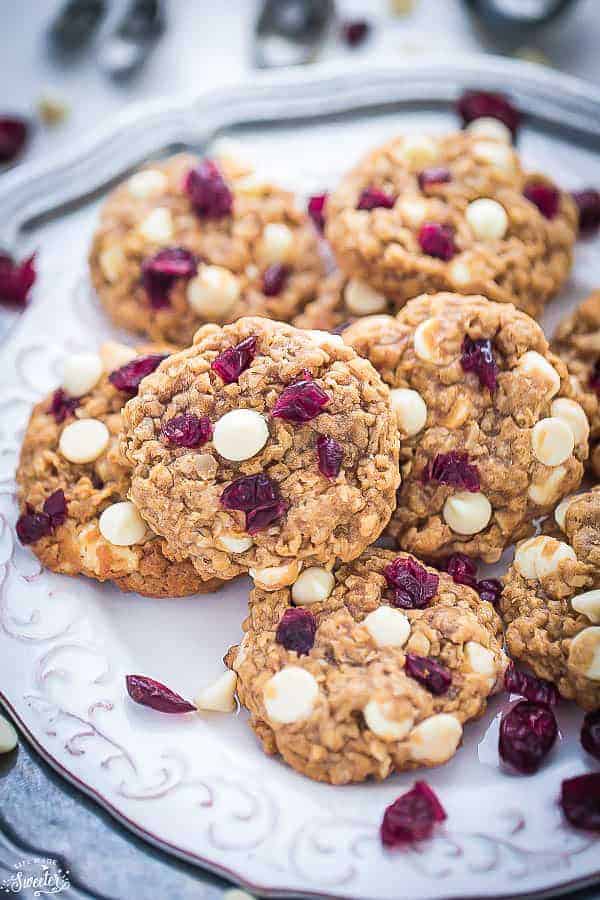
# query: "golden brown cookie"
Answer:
x=263 y=448
x=551 y=602
x=185 y=241
x=73 y=485
x=455 y=213
x=367 y=670
x=491 y=436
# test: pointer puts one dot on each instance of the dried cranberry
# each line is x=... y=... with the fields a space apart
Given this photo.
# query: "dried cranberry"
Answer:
x=373 y=198
x=437 y=240
x=461 y=569
x=62 y=406
x=412 y=585
x=32 y=526
x=316 y=210
x=431 y=674
x=274 y=279
x=355 y=31
x=434 y=175
x=543 y=195
x=411 y=817
x=129 y=376
x=527 y=734
x=55 y=506
x=258 y=496
x=580 y=801
x=489 y=589
x=187 y=430
x=16 y=279
x=148 y=692
x=590 y=733
x=160 y=272
x=452 y=468
x=301 y=401
x=330 y=455
x=13 y=135
x=479 y=104
x=595 y=377
x=208 y=191
x=538 y=690
x=296 y=630
x=478 y=357
x=588 y=206
x=230 y=364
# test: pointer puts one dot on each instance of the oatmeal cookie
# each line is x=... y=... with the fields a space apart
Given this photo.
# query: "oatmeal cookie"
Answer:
x=491 y=436
x=452 y=213
x=184 y=242
x=551 y=602
x=577 y=342
x=339 y=301
x=263 y=448
x=367 y=670
x=73 y=485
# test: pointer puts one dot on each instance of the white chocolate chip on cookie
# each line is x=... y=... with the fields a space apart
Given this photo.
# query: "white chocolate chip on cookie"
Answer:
x=535 y=366
x=157 y=227
x=213 y=292
x=388 y=627
x=146 y=184
x=234 y=543
x=272 y=578
x=560 y=512
x=410 y=410
x=487 y=127
x=240 y=434
x=496 y=153
x=84 y=440
x=588 y=604
x=481 y=660
x=548 y=489
x=290 y=695
x=122 y=525
x=8 y=736
x=114 y=355
x=487 y=218
x=467 y=513
x=552 y=441
x=220 y=695
x=112 y=261
x=436 y=739
x=276 y=243
x=314 y=585
x=413 y=210
x=426 y=342
x=573 y=415
x=388 y=729
x=419 y=151
x=81 y=372
x=362 y=300
x=541 y=556
x=584 y=653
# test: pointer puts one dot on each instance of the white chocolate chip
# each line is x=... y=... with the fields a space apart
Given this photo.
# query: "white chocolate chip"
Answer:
x=588 y=604
x=376 y=716
x=290 y=695
x=426 y=342
x=467 y=513
x=548 y=489
x=419 y=151
x=220 y=695
x=213 y=292
x=84 y=440
x=540 y=556
x=122 y=525
x=487 y=127
x=148 y=183
x=481 y=661
x=112 y=262
x=495 y=153
x=362 y=300
x=413 y=210
x=272 y=578
x=254 y=185
x=410 y=410
x=584 y=653
x=560 y=512
x=81 y=372
x=388 y=627
x=537 y=367
x=459 y=273
x=552 y=441
x=276 y=243
x=234 y=543
x=8 y=736
x=436 y=739
x=487 y=219
x=114 y=355
x=240 y=434
x=573 y=415
x=157 y=227
x=314 y=585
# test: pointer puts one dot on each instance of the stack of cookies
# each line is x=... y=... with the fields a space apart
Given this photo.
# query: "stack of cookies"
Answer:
x=289 y=421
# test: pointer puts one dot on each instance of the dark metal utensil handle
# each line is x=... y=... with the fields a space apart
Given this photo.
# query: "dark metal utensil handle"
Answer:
x=511 y=17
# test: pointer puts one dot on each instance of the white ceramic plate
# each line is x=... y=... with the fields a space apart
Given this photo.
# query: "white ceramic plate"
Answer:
x=200 y=787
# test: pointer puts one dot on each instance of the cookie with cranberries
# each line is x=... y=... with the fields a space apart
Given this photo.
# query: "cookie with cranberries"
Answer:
x=73 y=485
x=187 y=241
x=368 y=668
x=551 y=602
x=577 y=342
x=263 y=448
x=455 y=212
x=491 y=435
